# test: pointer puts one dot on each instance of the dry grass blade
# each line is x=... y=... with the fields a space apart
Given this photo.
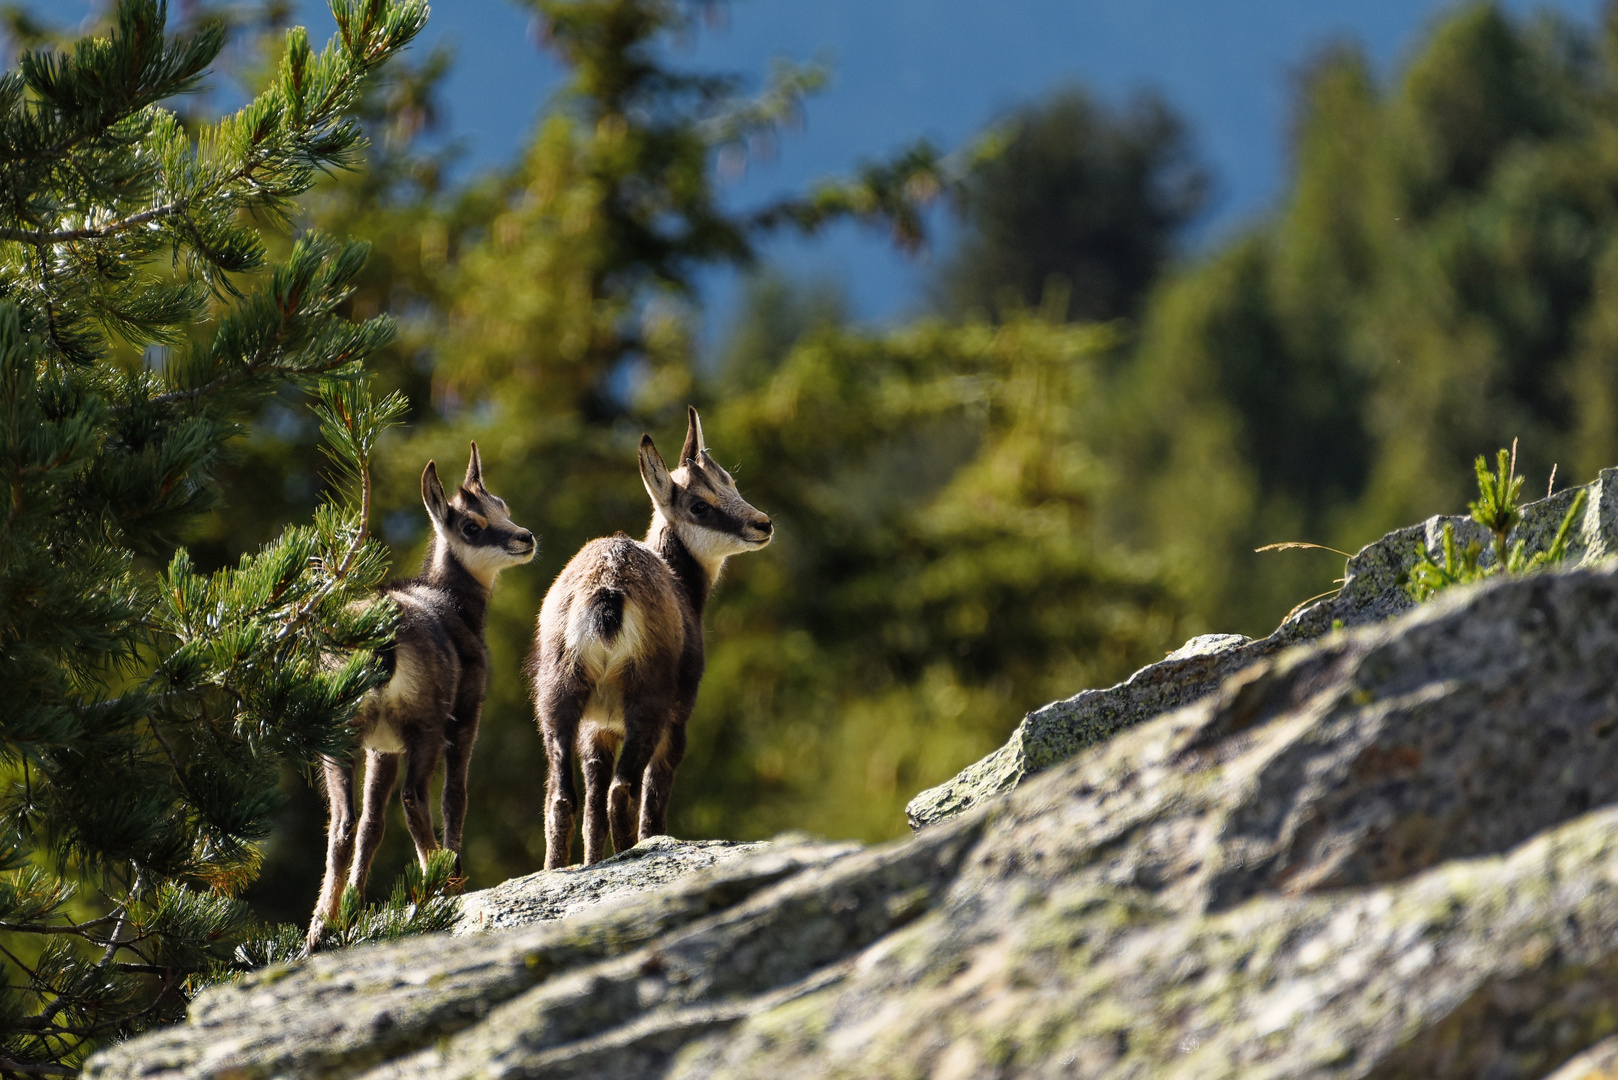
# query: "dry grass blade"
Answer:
x=1301 y=604
x=1287 y=545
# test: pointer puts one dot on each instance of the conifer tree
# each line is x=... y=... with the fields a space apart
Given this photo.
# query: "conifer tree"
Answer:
x=148 y=711
x=1435 y=283
x=1080 y=194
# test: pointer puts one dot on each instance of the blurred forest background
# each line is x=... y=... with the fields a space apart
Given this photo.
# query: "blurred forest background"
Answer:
x=1057 y=475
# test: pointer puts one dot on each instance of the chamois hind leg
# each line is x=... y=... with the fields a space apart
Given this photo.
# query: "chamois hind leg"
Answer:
x=644 y=722
x=659 y=781
x=462 y=733
x=597 y=755
x=381 y=770
x=421 y=761
x=559 y=708
x=339 y=790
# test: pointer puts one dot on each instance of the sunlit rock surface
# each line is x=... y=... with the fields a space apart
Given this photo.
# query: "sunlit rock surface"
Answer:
x=1392 y=852
x=556 y=894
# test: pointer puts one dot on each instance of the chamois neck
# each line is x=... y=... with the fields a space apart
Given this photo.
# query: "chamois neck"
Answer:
x=695 y=579
x=442 y=570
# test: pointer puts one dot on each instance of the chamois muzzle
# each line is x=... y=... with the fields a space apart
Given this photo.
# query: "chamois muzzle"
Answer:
x=758 y=532
x=521 y=544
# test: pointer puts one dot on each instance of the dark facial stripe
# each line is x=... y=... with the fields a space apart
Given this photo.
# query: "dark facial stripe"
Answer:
x=493 y=534
x=718 y=519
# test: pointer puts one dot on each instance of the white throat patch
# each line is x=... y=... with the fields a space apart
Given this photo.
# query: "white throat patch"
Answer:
x=710 y=547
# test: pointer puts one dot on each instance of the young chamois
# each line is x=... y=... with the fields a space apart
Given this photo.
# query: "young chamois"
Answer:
x=438 y=669
x=618 y=652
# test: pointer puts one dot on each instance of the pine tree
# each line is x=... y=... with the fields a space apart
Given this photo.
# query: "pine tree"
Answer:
x=1434 y=284
x=149 y=710
x=1081 y=194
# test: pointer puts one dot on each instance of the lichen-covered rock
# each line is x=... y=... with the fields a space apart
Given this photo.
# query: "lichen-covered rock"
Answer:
x=1063 y=728
x=1373 y=591
x=553 y=894
x=1390 y=853
x=339 y=1013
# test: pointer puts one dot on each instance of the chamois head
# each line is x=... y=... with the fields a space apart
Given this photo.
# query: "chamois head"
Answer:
x=475 y=526
x=699 y=501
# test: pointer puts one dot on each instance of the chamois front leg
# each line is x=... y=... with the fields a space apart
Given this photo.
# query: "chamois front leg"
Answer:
x=461 y=735
x=381 y=770
x=339 y=789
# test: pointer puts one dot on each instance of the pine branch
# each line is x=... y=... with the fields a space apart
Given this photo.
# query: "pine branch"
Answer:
x=351 y=423
x=100 y=232
x=250 y=371
x=8 y=1064
x=338 y=576
x=168 y=751
x=111 y=948
x=78 y=929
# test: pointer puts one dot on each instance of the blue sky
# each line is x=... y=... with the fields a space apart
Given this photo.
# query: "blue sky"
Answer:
x=944 y=69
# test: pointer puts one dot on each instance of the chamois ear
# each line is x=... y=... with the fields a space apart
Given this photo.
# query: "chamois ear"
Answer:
x=432 y=494
x=694 y=446
x=474 y=470
x=655 y=475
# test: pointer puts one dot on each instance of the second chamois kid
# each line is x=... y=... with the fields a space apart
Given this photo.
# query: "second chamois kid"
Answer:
x=438 y=671
x=618 y=651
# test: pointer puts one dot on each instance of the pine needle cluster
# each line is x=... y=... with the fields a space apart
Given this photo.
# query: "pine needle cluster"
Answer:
x=422 y=901
x=1498 y=509
x=149 y=712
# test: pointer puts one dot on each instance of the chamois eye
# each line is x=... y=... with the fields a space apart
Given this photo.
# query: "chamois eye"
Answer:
x=699 y=508
x=470 y=530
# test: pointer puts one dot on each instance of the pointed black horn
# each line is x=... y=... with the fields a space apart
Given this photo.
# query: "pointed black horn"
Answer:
x=694 y=445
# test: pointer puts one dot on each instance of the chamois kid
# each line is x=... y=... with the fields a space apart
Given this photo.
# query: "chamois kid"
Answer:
x=618 y=651
x=430 y=705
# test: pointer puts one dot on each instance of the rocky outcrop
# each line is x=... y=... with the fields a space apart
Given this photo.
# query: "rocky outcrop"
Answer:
x=1389 y=853
x=1373 y=591
x=650 y=864
x=1061 y=729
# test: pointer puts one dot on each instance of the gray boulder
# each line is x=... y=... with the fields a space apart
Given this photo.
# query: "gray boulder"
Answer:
x=555 y=894
x=1392 y=852
x=1373 y=591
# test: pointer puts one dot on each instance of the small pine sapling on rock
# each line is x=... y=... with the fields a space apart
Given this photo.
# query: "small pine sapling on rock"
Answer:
x=1498 y=510
x=424 y=900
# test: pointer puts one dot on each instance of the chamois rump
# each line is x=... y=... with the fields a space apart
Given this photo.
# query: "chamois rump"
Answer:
x=618 y=652
x=430 y=705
